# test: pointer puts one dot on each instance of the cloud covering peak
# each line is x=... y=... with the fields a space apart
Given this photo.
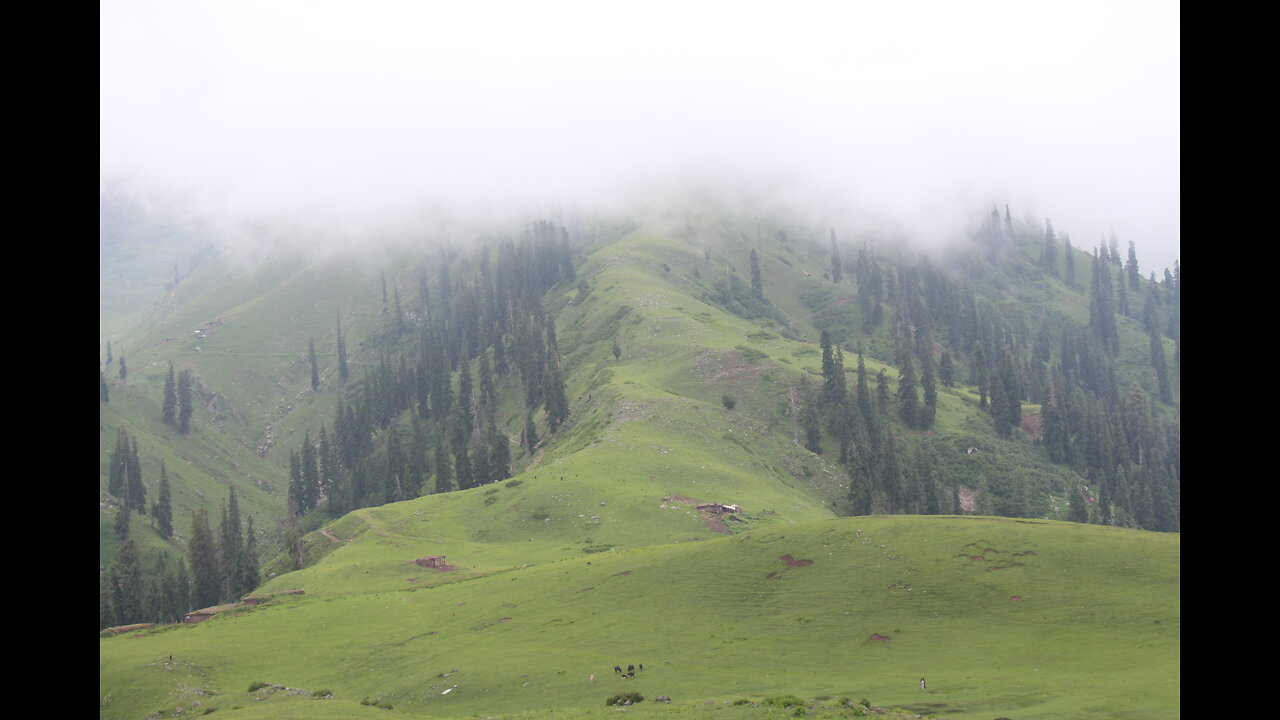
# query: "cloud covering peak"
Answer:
x=1066 y=110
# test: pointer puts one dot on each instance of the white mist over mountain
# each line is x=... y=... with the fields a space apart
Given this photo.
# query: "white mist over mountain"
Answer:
x=926 y=112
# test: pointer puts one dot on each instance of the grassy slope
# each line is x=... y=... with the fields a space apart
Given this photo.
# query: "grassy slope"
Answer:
x=253 y=375
x=1096 y=631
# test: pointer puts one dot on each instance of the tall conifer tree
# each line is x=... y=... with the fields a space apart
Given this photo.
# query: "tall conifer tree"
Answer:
x=164 y=506
x=315 y=367
x=343 y=373
x=185 y=408
x=203 y=551
x=757 y=281
x=170 y=406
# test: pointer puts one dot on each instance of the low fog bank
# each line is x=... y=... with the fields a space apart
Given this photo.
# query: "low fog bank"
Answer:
x=366 y=126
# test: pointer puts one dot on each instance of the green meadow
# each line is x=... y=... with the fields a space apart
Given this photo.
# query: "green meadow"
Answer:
x=1018 y=618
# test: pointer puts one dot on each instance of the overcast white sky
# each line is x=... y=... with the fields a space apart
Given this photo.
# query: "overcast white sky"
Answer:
x=918 y=110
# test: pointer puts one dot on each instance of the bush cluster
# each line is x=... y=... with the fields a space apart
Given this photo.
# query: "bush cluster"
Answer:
x=627 y=698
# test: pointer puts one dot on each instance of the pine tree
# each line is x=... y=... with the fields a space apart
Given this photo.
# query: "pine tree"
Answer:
x=978 y=373
x=890 y=470
x=170 y=406
x=124 y=371
x=315 y=368
x=557 y=403
x=123 y=515
x=395 y=473
x=418 y=466
x=1102 y=319
x=182 y=588
x=1054 y=422
x=1131 y=267
x=999 y=406
x=860 y=494
x=833 y=388
x=103 y=394
x=907 y=398
x=757 y=282
x=1162 y=370
x=399 y=313
x=233 y=551
x=1113 y=256
x=812 y=427
x=499 y=449
x=164 y=506
x=1122 y=303
x=228 y=557
x=929 y=385
x=206 y=587
x=946 y=371
x=295 y=499
x=310 y=474
x=343 y=373
x=118 y=467
x=249 y=578
x=864 y=393
x=1049 y=254
x=135 y=491
x=1071 y=261
x=127 y=598
x=882 y=392
x=1013 y=390
x=837 y=271
x=462 y=468
x=1079 y=511
x=444 y=480
x=185 y=408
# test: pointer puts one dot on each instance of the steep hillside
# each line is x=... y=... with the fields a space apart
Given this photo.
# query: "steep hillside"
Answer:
x=708 y=360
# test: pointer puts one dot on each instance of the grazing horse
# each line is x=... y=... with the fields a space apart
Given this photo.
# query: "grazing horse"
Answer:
x=617 y=670
x=631 y=669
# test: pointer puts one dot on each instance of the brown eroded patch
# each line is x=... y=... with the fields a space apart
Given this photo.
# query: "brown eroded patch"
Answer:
x=715 y=524
x=730 y=365
x=879 y=638
x=792 y=562
x=773 y=575
x=1016 y=598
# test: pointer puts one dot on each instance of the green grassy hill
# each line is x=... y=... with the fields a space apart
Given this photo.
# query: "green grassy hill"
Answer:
x=594 y=553
x=1003 y=617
